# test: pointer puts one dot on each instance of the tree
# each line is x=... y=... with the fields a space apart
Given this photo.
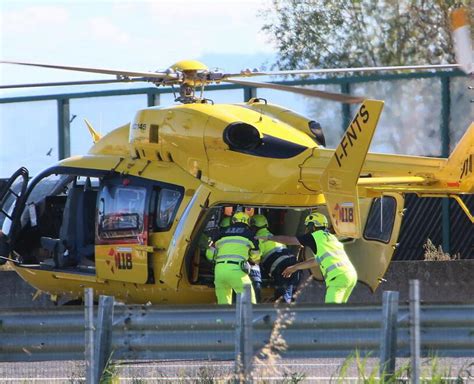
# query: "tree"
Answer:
x=354 y=33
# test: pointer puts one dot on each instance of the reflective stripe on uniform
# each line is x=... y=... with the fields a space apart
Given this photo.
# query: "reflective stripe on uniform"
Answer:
x=320 y=259
x=278 y=261
x=333 y=267
x=233 y=241
x=230 y=257
x=268 y=253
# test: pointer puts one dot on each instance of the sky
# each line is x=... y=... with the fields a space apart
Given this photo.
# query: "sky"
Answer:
x=141 y=35
x=131 y=35
x=152 y=35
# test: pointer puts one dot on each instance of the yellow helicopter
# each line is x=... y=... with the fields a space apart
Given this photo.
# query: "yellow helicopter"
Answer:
x=128 y=218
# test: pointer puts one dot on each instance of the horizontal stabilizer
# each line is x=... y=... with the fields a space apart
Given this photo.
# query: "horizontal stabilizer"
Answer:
x=396 y=180
x=454 y=177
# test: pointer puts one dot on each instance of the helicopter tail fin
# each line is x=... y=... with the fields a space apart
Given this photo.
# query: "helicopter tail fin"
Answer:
x=95 y=135
x=458 y=170
x=339 y=179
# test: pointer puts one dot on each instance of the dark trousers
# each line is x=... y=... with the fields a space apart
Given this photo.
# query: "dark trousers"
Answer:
x=256 y=279
x=284 y=286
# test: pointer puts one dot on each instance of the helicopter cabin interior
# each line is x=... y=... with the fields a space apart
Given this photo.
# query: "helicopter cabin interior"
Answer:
x=280 y=220
x=379 y=226
x=69 y=214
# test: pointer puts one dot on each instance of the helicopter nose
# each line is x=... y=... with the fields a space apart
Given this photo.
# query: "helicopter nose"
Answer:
x=242 y=136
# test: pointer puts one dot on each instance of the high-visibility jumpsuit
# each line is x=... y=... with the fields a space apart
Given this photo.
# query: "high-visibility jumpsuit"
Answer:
x=236 y=246
x=339 y=273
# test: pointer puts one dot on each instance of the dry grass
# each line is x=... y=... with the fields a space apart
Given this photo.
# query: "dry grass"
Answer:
x=433 y=253
x=266 y=361
x=5 y=268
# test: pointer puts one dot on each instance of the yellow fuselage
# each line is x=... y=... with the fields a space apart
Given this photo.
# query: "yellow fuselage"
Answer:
x=251 y=154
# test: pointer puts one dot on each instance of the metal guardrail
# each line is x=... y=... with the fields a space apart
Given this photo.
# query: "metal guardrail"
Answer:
x=208 y=332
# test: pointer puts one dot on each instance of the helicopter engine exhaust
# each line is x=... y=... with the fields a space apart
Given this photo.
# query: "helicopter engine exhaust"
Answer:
x=242 y=136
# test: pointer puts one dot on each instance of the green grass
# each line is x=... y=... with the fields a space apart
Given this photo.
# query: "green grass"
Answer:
x=432 y=373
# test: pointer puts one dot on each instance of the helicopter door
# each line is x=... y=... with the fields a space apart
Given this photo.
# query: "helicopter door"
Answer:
x=12 y=199
x=122 y=236
x=171 y=272
x=372 y=253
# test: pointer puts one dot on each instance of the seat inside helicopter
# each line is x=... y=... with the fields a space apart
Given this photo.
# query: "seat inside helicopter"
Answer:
x=57 y=228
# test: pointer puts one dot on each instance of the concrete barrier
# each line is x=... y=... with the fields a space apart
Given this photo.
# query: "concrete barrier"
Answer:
x=16 y=293
x=440 y=282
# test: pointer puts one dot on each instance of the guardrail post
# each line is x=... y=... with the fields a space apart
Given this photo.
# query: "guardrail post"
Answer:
x=89 y=334
x=388 y=342
x=103 y=337
x=415 y=330
x=243 y=336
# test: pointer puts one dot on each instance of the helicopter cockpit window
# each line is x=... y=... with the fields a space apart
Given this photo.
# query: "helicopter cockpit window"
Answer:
x=51 y=185
x=8 y=204
x=121 y=211
x=380 y=221
x=168 y=203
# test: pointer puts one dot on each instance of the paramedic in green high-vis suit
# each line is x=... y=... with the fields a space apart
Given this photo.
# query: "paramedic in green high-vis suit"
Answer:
x=339 y=273
x=231 y=253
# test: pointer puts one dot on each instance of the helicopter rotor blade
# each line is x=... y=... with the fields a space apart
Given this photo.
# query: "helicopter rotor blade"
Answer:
x=249 y=73
x=105 y=71
x=87 y=82
x=340 y=97
x=461 y=34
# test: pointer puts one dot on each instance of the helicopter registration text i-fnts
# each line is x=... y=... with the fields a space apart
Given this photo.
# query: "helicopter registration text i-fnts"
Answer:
x=131 y=217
